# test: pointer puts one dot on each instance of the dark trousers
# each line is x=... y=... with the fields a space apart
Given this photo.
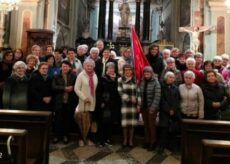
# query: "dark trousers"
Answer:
x=62 y=121
x=150 y=126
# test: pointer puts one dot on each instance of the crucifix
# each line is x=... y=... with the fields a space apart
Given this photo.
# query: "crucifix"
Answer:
x=194 y=32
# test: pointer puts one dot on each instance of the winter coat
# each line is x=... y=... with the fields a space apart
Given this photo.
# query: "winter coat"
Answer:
x=170 y=100
x=214 y=93
x=58 y=86
x=15 y=93
x=82 y=89
x=192 y=101
x=127 y=89
x=153 y=94
x=39 y=88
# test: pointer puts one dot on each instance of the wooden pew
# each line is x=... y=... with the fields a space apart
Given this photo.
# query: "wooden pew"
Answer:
x=18 y=145
x=215 y=151
x=193 y=131
x=37 y=123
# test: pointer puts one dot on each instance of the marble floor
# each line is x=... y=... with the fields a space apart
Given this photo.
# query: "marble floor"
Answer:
x=72 y=153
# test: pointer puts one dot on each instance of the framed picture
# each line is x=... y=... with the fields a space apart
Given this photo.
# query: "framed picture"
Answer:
x=63 y=11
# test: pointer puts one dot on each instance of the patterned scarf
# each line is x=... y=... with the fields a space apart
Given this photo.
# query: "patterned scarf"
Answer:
x=91 y=82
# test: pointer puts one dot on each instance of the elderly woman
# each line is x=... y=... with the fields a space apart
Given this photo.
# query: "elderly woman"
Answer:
x=209 y=66
x=110 y=104
x=215 y=96
x=217 y=61
x=171 y=67
x=166 y=54
x=31 y=62
x=125 y=59
x=15 y=94
x=191 y=65
x=128 y=91
x=64 y=100
x=40 y=90
x=169 y=105
x=192 y=100
x=151 y=93
x=85 y=87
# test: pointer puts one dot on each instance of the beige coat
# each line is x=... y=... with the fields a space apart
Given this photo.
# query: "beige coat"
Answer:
x=82 y=89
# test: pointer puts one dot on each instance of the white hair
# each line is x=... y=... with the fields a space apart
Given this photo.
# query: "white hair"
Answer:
x=89 y=61
x=19 y=64
x=189 y=74
x=167 y=51
x=225 y=56
x=189 y=60
x=170 y=59
x=217 y=58
x=94 y=49
x=167 y=74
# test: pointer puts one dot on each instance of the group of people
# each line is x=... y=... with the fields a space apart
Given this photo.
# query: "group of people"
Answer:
x=99 y=88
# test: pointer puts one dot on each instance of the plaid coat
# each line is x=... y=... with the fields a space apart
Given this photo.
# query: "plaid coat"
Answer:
x=127 y=89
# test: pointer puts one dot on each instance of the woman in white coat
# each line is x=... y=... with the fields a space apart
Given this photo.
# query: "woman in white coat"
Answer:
x=85 y=88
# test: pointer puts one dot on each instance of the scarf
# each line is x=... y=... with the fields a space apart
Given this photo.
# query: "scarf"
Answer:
x=91 y=82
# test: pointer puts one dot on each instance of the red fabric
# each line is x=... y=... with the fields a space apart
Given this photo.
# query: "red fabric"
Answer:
x=140 y=60
x=91 y=83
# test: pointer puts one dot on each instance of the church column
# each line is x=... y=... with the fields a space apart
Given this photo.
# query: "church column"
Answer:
x=45 y=18
x=110 y=25
x=146 y=20
x=101 y=22
x=137 y=21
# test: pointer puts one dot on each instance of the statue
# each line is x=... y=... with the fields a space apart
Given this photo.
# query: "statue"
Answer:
x=124 y=13
x=195 y=32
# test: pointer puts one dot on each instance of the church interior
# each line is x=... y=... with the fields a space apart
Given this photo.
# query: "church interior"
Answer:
x=196 y=25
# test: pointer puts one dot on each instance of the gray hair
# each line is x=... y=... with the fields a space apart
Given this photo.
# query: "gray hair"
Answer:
x=198 y=54
x=89 y=61
x=167 y=51
x=170 y=59
x=94 y=49
x=110 y=64
x=189 y=74
x=190 y=60
x=19 y=64
x=167 y=74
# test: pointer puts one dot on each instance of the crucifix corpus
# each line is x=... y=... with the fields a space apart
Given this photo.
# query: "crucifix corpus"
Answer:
x=194 y=32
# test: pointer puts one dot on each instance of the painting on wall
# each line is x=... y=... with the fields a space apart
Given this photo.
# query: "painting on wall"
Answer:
x=185 y=13
x=63 y=11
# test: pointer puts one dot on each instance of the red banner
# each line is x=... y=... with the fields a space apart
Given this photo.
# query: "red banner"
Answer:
x=140 y=60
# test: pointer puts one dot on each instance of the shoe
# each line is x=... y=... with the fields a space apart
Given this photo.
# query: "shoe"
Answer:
x=65 y=140
x=124 y=145
x=101 y=145
x=131 y=146
x=160 y=150
x=55 y=140
x=81 y=143
x=152 y=147
x=145 y=146
x=108 y=144
x=90 y=143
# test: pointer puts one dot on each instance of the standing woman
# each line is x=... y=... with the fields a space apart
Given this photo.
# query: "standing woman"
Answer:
x=192 y=100
x=5 y=70
x=215 y=96
x=128 y=91
x=64 y=101
x=85 y=87
x=15 y=92
x=151 y=93
x=169 y=105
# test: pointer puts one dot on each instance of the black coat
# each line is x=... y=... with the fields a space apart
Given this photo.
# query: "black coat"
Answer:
x=58 y=86
x=39 y=88
x=111 y=98
x=156 y=62
x=170 y=100
x=15 y=93
x=214 y=93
